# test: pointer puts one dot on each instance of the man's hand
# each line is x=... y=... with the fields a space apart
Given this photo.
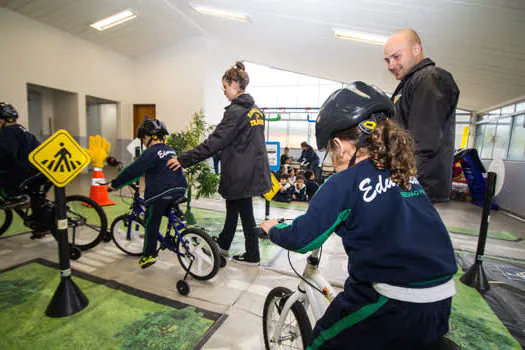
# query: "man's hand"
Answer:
x=268 y=224
x=173 y=164
x=98 y=150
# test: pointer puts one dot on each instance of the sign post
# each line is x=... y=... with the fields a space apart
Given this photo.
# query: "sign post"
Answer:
x=274 y=158
x=60 y=158
x=475 y=276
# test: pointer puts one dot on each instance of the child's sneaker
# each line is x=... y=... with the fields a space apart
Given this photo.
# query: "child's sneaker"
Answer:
x=243 y=259
x=147 y=261
x=223 y=252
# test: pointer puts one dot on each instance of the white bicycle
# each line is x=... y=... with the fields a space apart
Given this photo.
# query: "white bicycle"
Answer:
x=285 y=319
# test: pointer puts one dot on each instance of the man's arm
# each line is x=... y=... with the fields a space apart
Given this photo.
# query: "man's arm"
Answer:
x=430 y=107
x=223 y=135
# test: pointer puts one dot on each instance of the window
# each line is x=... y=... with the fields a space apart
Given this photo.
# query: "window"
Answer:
x=517 y=140
x=500 y=133
x=274 y=88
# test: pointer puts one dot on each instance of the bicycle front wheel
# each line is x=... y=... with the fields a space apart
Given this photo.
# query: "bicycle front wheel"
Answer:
x=197 y=246
x=128 y=234
x=6 y=217
x=296 y=332
x=87 y=222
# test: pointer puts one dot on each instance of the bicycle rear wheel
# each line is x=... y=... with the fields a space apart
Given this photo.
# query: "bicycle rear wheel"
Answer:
x=6 y=217
x=297 y=330
x=128 y=235
x=87 y=222
x=199 y=247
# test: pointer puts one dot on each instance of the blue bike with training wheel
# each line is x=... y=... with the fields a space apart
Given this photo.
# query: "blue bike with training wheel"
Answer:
x=196 y=251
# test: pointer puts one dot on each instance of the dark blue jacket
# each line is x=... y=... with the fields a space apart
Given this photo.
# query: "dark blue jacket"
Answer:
x=160 y=180
x=15 y=145
x=310 y=157
x=390 y=235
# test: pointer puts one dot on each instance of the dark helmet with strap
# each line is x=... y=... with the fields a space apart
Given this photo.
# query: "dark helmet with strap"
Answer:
x=358 y=104
x=8 y=113
x=154 y=128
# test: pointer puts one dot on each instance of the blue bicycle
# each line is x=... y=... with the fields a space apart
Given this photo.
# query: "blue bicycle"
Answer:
x=196 y=251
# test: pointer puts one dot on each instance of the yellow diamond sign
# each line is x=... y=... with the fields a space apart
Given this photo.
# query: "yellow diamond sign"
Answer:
x=60 y=158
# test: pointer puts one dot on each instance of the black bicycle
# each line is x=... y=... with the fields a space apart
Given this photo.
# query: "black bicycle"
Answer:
x=87 y=221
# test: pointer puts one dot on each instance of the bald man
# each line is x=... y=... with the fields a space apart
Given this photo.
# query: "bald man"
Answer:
x=425 y=100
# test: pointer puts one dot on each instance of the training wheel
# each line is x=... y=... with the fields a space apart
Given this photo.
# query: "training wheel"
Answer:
x=223 y=261
x=183 y=287
x=74 y=253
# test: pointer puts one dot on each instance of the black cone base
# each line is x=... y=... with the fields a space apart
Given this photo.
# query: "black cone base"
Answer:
x=475 y=277
x=67 y=300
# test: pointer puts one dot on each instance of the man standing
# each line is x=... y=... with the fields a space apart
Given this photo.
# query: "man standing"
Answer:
x=425 y=100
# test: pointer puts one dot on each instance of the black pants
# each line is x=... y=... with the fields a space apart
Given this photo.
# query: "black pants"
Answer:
x=154 y=213
x=244 y=207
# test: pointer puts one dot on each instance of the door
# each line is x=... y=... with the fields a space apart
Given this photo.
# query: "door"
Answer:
x=34 y=110
x=141 y=113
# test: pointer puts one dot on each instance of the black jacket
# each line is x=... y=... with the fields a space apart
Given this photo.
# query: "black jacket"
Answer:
x=310 y=157
x=426 y=101
x=15 y=145
x=245 y=171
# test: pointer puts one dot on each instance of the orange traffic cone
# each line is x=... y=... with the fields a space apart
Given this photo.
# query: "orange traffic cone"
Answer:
x=98 y=192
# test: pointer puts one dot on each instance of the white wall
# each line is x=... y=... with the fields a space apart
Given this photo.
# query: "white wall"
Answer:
x=66 y=113
x=45 y=56
x=108 y=122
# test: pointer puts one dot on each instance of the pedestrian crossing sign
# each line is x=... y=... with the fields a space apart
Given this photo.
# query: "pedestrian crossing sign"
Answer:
x=60 y=158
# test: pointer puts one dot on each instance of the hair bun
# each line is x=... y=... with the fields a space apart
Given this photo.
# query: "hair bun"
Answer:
x=239 y=65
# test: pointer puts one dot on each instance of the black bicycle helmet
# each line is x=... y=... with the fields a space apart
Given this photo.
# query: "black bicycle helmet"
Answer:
x=152 y=127
x=8 y=112
x=349 y=107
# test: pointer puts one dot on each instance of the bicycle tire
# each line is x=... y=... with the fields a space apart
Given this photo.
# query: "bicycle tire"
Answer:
x=6 y=218
x=119 y=231
x=275 y=301
x=94 y=228
x=205 y=251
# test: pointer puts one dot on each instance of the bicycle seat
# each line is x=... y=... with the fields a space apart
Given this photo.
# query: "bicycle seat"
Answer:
x=178 y=201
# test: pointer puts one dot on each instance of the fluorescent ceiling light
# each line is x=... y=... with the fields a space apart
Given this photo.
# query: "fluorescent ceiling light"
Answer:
x=360 y=36
x=114 y=20
x=219 y=13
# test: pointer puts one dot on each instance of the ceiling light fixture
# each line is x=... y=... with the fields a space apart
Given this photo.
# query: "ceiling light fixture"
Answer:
x=219 y=13
x=360 y=36
x=114 y=20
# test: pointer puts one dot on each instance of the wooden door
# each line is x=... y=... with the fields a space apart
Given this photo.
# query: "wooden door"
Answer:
x=140 y=113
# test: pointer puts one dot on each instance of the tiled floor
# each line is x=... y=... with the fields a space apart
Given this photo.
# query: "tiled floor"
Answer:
x=240 y=290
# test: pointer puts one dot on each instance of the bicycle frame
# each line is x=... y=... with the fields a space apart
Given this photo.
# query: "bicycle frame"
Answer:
x=307 y=295
x=138 y=207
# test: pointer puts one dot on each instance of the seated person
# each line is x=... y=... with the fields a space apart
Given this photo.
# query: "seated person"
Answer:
x=399 y=288
x=285 y=157
x=291 y=176
x=311 y=185
x=285 y=193
x=299 y=190
x=15 y=145
x=163 y=185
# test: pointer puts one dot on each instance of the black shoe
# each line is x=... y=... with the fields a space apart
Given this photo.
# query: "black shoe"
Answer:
x=223 y=252
x=243 y=259
x=16 y=202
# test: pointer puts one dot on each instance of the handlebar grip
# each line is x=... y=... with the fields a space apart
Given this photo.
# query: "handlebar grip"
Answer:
x=259 y=232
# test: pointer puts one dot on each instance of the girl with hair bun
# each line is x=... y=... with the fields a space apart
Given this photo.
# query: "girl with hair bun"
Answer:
x=245 y=171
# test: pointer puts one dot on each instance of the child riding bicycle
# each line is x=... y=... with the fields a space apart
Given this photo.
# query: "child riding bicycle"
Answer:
x=400 y=257
x=162 y=184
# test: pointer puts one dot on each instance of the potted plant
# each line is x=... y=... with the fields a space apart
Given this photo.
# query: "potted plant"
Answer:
x=200 y=176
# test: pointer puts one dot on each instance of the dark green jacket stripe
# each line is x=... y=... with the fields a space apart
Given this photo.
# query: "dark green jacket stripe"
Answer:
x=347 y=322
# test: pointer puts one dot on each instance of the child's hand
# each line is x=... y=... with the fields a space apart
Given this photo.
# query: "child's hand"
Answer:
x=268 y=224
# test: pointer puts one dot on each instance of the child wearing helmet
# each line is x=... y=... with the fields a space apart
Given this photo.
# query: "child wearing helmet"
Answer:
x=400 y=258
x=163 y=186
x=15 y=145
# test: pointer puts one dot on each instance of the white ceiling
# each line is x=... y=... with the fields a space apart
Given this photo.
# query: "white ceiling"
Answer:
x=480 y=42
